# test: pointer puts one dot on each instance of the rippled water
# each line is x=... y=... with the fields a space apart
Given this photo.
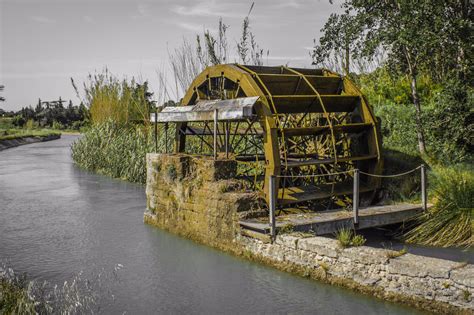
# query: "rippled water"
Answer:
x=57 y=220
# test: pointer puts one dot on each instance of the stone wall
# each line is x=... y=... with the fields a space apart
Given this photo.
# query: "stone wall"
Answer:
x=198 y=198
x=430 y=283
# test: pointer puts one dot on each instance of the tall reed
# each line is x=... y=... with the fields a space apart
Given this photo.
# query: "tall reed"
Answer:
x=117 y=150
x=450 y=222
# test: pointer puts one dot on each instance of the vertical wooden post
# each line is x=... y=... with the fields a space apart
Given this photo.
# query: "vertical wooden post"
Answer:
x=424 y=203
x=355 y=197
x=215 y=133
x=272 y=206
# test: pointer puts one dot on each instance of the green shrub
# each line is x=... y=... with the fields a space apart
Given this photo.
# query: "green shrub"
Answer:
x=116 y=150
x=347 y=237
x=450 y=221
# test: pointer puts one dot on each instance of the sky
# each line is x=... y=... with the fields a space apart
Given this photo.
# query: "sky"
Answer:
x=43 y=43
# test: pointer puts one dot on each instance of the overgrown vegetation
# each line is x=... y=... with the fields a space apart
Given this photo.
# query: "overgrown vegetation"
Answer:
x=116 y=150
x=450 y=222
x=9 y=134
x=49 y=114
x=413 y=66
x=347 y=238
x=19 y=295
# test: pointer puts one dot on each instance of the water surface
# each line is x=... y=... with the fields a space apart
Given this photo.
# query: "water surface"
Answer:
x=57 y=220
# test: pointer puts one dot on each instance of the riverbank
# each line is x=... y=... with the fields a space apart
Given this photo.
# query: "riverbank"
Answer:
x=22 y=139
x=197 y=198
x=82 y=223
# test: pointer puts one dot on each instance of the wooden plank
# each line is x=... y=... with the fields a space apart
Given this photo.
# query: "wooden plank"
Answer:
x=311 y=131
x=292 y=104
x=286 y=84
x=328 y=222
x=309 y=162
x=292 y=195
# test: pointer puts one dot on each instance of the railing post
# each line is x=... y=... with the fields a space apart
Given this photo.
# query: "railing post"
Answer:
x=227 y=139
x=355 y=197
x=215 y=133
x=272 y=206
x=166 y=138
x=424 y=203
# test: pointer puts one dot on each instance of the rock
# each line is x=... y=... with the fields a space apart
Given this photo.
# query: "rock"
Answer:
x=320 y=245
x=287 y=241
x=416 y=266
x=366 y=255
x=464 y=276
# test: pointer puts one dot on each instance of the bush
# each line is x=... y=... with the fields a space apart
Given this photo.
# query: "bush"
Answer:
x=347 y=238
x=450 y=221
x=122 y=101
x=116 y=150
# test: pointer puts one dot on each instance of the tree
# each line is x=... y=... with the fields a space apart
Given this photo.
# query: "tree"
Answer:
x=413 y=33
x=2 y=99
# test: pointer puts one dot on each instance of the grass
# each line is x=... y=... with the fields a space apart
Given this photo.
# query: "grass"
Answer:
x=116 y=150
x=10 y=134
x=347 y=238
x=397 y=253
x=450 y=222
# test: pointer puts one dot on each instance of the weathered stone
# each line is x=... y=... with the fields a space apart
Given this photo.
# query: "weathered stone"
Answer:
x=287 y=241
x=366 y=255
x=464 y=276
x=412 y=265
x=320 y=245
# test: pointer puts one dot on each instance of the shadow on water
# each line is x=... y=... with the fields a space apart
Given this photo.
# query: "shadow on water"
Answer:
x=58 y=221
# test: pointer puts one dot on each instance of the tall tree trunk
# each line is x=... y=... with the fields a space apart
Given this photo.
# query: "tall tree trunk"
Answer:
x=416 y=101
x=346 y=65
x=419 y=122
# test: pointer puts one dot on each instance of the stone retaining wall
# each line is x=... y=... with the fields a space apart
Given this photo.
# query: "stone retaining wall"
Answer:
x=195 y=197
x=416 y=279
x=199 y=199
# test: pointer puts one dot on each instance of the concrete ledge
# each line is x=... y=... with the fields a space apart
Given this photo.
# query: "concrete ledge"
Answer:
x=7 y=144
x=429 y=283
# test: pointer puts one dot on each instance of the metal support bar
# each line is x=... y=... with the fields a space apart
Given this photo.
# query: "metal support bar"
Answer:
x=355 y=197
x=227 y=139
x=215 y=133
x=156 y=129
x=272 y=207
x=166 y=137
x=424 y=203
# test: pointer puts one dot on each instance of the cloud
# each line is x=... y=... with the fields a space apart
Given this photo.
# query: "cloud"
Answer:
x=195 y=28
x=42 y=19
x=88 y=19
x=210 y=8
x=289 y=4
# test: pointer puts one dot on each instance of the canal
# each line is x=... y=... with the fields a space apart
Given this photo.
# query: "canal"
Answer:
x=57 y=220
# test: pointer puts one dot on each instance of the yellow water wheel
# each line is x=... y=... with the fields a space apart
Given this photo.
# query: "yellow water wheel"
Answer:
x=307 y=122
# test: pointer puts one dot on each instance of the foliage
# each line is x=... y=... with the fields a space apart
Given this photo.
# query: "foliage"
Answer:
x=116 y=150
x=123 y=101
x=347 y=237
x=447 y=112
x=450 y=221
x=434 y=37
x=53 y=115
x=18 y=295
x=397 y=253
x=9 y=134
